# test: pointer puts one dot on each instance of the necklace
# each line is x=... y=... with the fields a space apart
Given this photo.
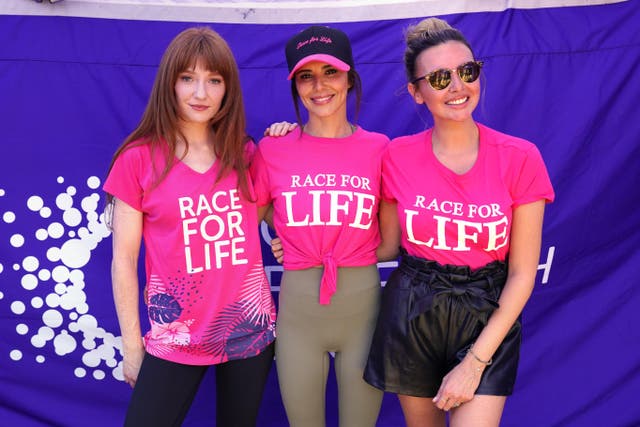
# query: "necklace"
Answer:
x=351 y=130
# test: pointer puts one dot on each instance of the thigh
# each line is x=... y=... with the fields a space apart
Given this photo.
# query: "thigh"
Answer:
x=302 y=376
x=163 y=392
x=302 y=360
x=421 y=412
x=359 y=402
x=481 y=411
x=239 y=387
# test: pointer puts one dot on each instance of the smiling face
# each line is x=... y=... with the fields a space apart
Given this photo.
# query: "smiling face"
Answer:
x=323 y=89
x=457 y=101
x=199 y=94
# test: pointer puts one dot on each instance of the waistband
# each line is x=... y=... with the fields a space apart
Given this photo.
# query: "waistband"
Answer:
x=431 y=283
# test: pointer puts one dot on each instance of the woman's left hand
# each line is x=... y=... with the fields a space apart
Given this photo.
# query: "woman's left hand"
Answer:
x=459 y=385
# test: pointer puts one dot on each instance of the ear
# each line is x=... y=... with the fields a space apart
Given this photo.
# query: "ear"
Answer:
x=415 y=93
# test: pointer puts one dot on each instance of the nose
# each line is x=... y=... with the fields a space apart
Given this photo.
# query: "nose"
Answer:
x=456 y=82
x=318 y=82
x=200 y=90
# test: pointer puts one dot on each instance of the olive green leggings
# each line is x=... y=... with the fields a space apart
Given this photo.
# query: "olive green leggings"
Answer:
x=308 y=331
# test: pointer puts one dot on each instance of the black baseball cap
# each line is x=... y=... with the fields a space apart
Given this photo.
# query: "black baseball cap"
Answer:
x=319 y=43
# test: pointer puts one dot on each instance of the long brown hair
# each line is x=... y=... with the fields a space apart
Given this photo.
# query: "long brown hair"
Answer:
x=159 y=126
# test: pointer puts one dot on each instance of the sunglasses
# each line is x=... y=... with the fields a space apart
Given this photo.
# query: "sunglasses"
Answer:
x=440 y=79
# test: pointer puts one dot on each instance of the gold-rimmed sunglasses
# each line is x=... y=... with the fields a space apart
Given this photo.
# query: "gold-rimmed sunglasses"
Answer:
x=441 y=79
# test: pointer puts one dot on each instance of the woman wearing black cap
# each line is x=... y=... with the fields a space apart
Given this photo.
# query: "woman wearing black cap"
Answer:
x=325 y=195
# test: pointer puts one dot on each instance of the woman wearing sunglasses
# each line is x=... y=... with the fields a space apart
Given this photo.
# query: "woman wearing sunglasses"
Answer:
x=470 y=204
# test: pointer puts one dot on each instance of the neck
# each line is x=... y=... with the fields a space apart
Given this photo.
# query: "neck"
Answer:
x=455 y=136
x=328 y=127
x=197 y=134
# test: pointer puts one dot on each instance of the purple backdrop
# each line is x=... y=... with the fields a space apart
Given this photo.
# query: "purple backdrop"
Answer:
x=72 y=88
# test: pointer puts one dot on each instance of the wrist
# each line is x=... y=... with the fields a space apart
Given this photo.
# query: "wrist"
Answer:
x=132 y=345
x=479 y=359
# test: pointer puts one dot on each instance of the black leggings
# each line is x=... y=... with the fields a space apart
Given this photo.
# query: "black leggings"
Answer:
x=165 y=390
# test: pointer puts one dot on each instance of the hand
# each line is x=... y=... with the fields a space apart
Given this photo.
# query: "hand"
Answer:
x=459 y=385
x=276 y=249
x=131 y=363
x=280 y=129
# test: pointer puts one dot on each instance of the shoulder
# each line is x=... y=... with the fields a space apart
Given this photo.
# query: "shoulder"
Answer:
x=270 y=142
x=504 y=141
x=249 y=147
x=407 y=142
x=138 y=151
x=372 y=137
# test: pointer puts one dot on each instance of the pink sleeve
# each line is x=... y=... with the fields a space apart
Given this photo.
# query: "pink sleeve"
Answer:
x=532 y=183
x=260 y=177
x=249 y=150
x=388 y=174
x=124 y=180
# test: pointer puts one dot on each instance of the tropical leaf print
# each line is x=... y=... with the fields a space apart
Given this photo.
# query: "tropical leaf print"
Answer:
x=256 y=294
x=164 y=308
x=243 y=328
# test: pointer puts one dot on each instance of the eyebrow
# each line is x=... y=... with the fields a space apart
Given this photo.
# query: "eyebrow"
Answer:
x=324 y=67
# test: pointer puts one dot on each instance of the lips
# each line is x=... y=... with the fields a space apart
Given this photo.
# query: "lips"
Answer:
x=199 y=107
x=458 y=101
x=321 y=99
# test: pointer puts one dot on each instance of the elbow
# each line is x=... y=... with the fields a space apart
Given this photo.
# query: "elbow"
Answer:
x=387 y=253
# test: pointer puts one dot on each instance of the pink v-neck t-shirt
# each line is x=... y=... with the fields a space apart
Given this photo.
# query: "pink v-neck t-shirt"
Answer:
x=462 y=219
x=325 y=194
x=208 y=296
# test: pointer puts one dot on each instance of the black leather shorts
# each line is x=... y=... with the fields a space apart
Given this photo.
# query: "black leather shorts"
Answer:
x=430 y=315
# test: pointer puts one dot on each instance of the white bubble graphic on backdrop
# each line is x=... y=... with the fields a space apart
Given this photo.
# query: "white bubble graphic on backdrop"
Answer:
x=9 y=217
x=35 y=203
x=93 y=182
x=17 y=307
x=30 y=264
x=41 y=234
x=44 y=274
x=29 y=282
x=64 y=201
x=37 y=302
x=17 y=240
x=55 y=230
x=55 y=273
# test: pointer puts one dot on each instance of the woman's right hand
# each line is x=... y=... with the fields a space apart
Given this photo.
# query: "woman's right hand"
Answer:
x=131 y=363
x=276 y=249
x=280 y=129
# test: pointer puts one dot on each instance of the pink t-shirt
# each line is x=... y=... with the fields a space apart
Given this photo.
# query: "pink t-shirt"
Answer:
x=209 y=299
x=462 y=219
x=325 y=194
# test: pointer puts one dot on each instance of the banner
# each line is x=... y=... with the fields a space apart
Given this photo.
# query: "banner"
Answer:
x=72 y=88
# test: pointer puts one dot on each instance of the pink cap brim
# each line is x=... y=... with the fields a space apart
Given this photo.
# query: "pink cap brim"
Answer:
x=320 y=57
